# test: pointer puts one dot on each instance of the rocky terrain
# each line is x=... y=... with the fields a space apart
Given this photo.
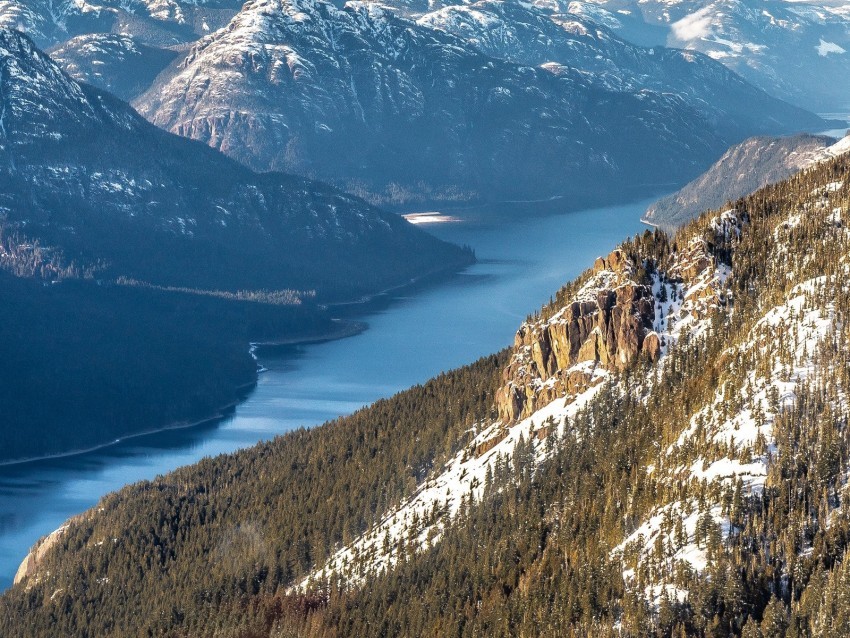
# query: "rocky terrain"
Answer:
x=609 y=323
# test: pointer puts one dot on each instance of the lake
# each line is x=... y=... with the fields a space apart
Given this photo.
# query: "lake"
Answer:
x=412 y=336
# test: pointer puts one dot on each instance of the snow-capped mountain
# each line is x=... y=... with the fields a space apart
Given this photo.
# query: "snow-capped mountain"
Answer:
x=525 y=34
x=401 y=110
x=120 y=64
x=90 y=187
x=794 y=50
x=160 y=22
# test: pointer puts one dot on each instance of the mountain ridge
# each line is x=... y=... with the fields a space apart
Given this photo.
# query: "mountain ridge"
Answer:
x=399 y=111
x=744 y=168
x=82 y=150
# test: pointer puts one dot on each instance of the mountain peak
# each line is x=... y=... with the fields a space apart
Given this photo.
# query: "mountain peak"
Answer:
x=39 y=101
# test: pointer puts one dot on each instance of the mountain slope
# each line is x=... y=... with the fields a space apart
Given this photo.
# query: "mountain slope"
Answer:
x=99 y=191
x=743 y=169
x=156 y=22
x=403 y=111
x=119 y=64
x=791 y=49
x=663 y=450
x=136 y=267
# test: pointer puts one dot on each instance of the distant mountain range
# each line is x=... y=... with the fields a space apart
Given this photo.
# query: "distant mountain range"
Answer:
x=117 y=63
x=156 y=22
x=89 y=186
x=401 y=110
x=794 y=50
x=409 y=103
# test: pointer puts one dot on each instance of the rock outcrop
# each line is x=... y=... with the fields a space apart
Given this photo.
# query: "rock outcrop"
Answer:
x=616 y=317
x=37 y=553
x=609 y=323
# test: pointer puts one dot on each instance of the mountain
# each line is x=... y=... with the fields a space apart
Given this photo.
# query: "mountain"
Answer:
x=401 y=112
x=136 y=267
x=154 y=22
x=793 y=50
x=744 y=168
x=662 y=451
x=89 y=187
x=119 y=64
x=526 y=35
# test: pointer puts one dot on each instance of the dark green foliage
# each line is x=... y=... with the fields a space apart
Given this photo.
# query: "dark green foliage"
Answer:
x=231 y=531
x=84 y=364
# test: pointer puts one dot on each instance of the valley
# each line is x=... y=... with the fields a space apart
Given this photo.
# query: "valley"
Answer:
x=353 y=319
x=415 y=336
x=662 y=450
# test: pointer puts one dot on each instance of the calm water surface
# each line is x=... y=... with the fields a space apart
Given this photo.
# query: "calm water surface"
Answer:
x=411 y=338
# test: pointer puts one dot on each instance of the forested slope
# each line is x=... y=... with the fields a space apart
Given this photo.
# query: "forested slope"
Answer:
x=664 y=451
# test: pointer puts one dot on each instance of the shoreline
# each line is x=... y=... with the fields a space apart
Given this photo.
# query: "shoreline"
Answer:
x=175 y=425
x=349 y=328
x=219 y=413
x=433 y=274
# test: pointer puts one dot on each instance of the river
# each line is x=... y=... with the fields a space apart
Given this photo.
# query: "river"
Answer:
x=411 y=337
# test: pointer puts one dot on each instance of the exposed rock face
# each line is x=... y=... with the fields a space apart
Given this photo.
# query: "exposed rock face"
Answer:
x=37 y=553
x=609 y=323
x=615 y=318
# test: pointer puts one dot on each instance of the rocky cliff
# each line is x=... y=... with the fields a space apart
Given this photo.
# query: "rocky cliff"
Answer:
x=621 y=313
x=37 y=553
x=608 y=323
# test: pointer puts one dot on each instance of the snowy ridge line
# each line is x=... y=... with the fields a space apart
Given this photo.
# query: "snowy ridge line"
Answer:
x=421 y=520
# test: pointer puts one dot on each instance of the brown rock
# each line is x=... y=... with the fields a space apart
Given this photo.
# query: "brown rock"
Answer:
x=652 y=346
x=482 y=448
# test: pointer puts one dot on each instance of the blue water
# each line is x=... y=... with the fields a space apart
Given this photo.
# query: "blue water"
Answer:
x=411 y=337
